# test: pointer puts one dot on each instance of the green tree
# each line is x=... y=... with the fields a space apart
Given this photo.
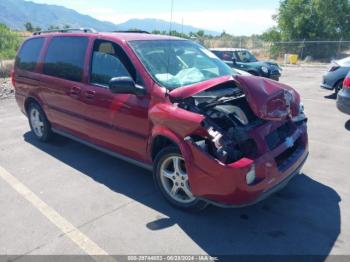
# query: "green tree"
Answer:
x=305 y=20
x=272 y=35
x=223 y=34
x=9 y=42
x=314 y=19
x=156 y=32
x=29 y=27
x=178 y=34
x=200 y=33
x=134 y=29
x=37 y=29
x=53 y=27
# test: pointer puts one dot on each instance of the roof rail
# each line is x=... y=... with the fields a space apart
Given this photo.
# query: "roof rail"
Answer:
x=68 y=30
x=131 y=31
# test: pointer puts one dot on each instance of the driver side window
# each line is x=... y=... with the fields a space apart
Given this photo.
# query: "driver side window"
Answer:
x=243 y=56
x=106 y=64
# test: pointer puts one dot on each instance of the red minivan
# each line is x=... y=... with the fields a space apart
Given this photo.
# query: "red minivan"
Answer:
x=168 y=105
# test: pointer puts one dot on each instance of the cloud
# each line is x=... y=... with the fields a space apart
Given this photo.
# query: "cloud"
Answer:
x=237 y=22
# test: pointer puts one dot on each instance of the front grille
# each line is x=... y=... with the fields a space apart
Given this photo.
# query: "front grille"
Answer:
x=288 y=157
x=279 y=136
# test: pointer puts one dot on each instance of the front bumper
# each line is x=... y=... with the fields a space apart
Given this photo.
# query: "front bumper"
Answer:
x=275 y=77
x=266 y=194
x=225 y=185
x=343 y=101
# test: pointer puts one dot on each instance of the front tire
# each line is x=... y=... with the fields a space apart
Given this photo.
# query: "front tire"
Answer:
x=171 y=178
x=38 y=122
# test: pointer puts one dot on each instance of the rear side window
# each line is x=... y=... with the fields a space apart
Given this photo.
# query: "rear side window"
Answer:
x=28 y=56
x=65 y=58
x=225 y=55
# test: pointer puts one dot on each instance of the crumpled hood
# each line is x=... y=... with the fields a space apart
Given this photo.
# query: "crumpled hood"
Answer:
x=268 y=99
x=188 y=91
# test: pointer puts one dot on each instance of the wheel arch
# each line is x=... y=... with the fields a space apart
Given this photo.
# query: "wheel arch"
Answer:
x=163 y=137
x=158 y=143
x=29 y=100
x=341 y=80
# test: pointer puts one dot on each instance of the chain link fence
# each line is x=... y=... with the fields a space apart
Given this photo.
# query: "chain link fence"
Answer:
x=307 y=51
x=311 y=51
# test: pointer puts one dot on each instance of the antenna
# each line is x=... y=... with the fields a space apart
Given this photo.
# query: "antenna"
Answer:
x=170 y=29
x=171 y=17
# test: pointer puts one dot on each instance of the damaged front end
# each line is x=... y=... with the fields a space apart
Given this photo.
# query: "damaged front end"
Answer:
x=228 y=119
x=252 y=137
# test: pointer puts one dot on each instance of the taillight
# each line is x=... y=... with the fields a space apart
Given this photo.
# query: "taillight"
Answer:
x=12 y=75
x=346 y=83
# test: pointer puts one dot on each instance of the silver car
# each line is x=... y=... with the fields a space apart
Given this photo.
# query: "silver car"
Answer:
x=334 y=77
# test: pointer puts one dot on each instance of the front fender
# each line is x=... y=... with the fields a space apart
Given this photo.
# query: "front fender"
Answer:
x=167 y=133
x=180 y=121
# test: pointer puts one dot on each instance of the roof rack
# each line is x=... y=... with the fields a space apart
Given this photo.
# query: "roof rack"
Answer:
x=68 y=30
x=132 y=31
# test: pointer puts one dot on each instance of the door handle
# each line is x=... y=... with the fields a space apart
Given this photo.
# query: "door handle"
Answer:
x=75 y=91
x=90 y=94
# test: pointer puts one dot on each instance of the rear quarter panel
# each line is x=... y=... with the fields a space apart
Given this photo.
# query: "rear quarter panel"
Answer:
x=27 y=83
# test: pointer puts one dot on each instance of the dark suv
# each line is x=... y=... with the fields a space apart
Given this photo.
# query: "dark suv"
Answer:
x=168 y=105
x=244 y=60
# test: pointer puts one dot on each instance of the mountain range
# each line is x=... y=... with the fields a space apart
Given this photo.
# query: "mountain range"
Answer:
x=15 y=13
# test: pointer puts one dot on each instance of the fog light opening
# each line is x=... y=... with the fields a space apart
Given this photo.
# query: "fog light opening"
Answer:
x=251 y=176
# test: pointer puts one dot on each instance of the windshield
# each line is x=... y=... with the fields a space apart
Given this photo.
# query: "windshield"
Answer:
x=176 y=63
x=246 y=56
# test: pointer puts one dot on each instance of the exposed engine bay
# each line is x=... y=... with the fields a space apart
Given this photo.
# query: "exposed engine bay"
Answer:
x=228 y=121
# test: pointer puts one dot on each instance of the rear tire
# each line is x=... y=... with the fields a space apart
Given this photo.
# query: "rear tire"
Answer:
x=338 y=86
x=171 y=178
x=38 y=122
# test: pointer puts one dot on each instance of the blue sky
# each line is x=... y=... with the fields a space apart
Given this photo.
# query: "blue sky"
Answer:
x=234 y=16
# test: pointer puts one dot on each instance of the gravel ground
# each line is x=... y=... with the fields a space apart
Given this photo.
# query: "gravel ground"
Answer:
x=6 y=88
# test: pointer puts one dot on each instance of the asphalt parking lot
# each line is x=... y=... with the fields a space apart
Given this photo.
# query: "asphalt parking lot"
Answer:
x=113 y=207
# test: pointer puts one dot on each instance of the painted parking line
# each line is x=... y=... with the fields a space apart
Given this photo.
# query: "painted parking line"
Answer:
x=85 y=243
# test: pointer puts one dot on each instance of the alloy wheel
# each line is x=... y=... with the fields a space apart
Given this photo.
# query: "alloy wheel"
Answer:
x=36 y=122
x=174 y=179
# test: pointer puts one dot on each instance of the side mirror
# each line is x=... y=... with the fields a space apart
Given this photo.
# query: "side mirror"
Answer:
x=234 y=60
x=125 y=85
